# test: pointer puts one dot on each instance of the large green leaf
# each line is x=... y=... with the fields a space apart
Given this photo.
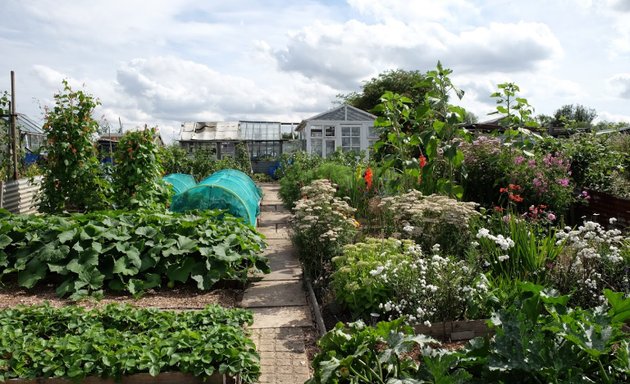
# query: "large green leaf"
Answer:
x=181 y=271
x=4 y=241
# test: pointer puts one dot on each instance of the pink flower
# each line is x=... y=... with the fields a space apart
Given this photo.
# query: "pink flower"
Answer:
x=518 y=160
x=551 y=216
x=564 y=182
x=531 y=163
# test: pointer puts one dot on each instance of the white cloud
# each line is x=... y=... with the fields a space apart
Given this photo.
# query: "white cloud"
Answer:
x=621 y=83
x=340 y=54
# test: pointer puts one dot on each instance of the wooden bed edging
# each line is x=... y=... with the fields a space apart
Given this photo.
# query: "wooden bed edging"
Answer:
x=138 y=378
x=454 y=330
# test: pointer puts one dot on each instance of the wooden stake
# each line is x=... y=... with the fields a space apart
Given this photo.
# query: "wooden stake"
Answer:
x=14 y=133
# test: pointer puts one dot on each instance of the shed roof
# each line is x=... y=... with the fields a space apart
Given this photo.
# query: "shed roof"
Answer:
x=211 y=130
x=344 y=112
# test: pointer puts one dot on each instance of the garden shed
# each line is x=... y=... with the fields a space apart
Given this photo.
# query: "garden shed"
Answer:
x=345 y=127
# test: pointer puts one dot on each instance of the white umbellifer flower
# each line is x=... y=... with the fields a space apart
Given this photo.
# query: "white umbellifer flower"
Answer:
x=503 y=257
x=377 y=271
x=436 y=248
x=474 y=244
x=427 y=323
x=612 y=220
x=408 y=228
x=483 y=232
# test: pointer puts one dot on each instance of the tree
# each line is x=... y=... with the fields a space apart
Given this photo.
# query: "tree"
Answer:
x=399 y=81
x=72 y=175
x=574 y=116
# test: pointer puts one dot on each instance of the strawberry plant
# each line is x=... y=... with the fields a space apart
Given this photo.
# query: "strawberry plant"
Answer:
x=118 y=340
x=127 y=251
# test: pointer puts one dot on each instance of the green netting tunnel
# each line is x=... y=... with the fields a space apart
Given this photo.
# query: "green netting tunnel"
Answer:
x=181 y=182
x=227 y=189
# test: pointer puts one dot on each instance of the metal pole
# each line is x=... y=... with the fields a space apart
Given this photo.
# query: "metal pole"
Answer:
x=14 y=135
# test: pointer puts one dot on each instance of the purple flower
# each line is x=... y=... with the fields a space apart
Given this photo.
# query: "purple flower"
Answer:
x=518 y=160
x=531 y=163
x=563 y=182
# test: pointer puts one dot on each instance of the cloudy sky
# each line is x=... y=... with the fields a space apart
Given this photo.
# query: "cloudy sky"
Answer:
x=162 y=62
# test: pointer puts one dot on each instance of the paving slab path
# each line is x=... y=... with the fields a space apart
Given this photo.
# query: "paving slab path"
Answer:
x=278 y=300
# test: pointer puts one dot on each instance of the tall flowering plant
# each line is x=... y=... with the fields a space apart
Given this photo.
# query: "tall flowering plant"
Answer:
x=321 y=225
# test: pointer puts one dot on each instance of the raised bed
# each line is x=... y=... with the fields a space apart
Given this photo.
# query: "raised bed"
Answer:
x=139 y=378
x=602 y=206
x=454 y=330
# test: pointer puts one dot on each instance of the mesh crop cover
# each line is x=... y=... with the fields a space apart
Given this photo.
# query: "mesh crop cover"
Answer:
x=227 y=189
x=181 y=182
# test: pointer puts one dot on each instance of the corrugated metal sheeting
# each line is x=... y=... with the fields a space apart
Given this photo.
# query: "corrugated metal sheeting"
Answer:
x=20 y=196
x=210 y=131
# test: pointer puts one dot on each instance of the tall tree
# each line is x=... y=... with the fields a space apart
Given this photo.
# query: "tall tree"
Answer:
x=574 y=116
x=399 y=81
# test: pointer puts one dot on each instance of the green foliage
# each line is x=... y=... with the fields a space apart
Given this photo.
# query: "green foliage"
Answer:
x=574 y=116
x=138 y=174
x=202 y=162
x=516 y=111
x=386 y=353
x=600 y=162
x=72 y=176
x=127 y=251
x=516 y=248
x=5 y=138
x=414 y=134
x=537 y=339
x=120 y=340
x=353 y=284
x=400 y=81
x=540 y=340
x=295 y=172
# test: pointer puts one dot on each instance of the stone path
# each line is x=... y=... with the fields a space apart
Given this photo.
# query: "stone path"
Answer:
x=278 y=300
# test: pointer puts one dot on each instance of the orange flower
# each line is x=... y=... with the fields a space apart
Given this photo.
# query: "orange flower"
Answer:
x=514 y=187
x=503 y=190
x=367 y=176
x=423 y=161
x=515 y=198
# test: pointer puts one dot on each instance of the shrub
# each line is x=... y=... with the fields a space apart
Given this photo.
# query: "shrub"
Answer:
x=321 y=226
x=72 y=176
x=430 y=287
x=483 y=161
x=138 y=174
x=354 y=280
x=430 y=220
x=592 y=259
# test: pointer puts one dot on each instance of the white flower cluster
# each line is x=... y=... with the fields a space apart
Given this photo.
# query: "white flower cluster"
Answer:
x=592 y=241
x=427 y=287
x=413 y=207
x=504 y=243
x=321 y=213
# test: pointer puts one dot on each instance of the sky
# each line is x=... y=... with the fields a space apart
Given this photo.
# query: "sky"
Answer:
x=163 y=62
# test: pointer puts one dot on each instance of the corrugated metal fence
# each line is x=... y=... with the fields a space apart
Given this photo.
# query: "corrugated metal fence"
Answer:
x=20 y=196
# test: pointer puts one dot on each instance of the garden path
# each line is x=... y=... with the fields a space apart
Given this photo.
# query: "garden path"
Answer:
x=278 y=301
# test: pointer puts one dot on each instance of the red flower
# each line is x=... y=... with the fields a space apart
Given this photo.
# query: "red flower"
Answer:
x=503 y=190
x=515 y=198
x=367 y=176
x=423 y=161
x=514 y=187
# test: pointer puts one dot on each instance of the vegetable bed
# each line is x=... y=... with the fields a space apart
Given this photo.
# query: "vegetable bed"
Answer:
x=120 y=340
x=127 y=251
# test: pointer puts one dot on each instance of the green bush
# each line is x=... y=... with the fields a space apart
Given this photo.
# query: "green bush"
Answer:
x=321 y=226
x=120 y=340
x=73 y=180
x=127 y=251
x=138 y=173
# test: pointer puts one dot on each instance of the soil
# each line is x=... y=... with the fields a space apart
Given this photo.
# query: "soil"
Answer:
x=183 y=297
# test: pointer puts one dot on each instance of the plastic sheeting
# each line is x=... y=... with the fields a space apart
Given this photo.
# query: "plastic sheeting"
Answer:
x=228 y=189
x=181 y=182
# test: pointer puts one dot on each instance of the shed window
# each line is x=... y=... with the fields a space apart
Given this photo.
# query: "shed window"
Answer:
x=351 y=139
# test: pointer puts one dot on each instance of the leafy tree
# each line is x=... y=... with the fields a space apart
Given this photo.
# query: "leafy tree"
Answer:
x=72 y=174
x=138 y=173
x=574 y=116
x=400 y=81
